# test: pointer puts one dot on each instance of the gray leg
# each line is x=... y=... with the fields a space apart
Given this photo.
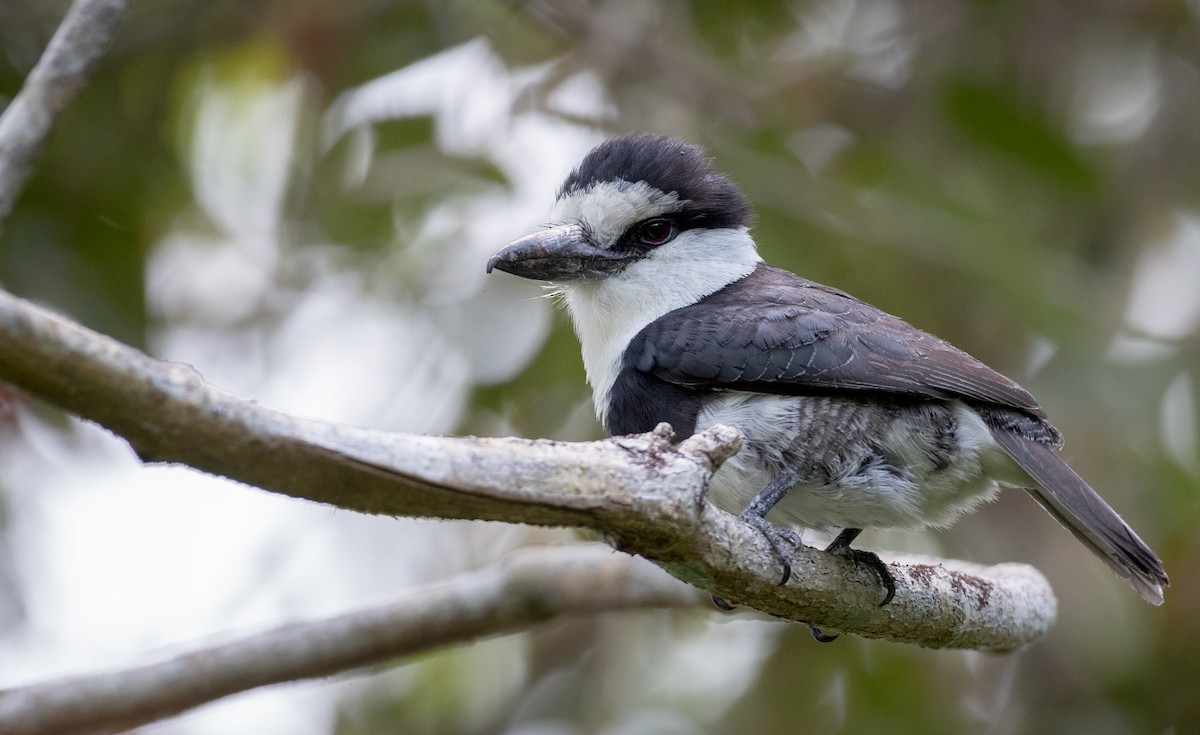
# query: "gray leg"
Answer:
x=755 y=515
x=779 y=538
x=776 y=537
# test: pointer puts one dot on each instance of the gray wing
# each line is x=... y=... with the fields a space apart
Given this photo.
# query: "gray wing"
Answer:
x=775 y=332
x=778 y=333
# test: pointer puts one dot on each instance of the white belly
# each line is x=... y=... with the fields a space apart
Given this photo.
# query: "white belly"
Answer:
x=860 y=466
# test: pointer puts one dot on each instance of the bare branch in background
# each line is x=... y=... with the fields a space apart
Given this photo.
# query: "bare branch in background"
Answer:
x=529 y=587
x=55 y=81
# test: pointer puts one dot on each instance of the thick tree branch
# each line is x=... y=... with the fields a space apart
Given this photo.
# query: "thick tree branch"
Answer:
x=644 y=493
x=529 y=587
x=59 y=75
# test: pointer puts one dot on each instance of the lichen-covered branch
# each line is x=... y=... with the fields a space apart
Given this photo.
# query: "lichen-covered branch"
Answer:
x=645 y=494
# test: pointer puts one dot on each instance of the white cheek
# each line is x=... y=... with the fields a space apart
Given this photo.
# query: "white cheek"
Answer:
x=609 y=208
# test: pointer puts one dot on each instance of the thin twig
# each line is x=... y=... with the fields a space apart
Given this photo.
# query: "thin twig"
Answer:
x=60 y=74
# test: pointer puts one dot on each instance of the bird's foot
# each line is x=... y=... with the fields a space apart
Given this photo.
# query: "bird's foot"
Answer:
x=721 y=603
x=821 y=637
x=778 y=539
x=841 y=547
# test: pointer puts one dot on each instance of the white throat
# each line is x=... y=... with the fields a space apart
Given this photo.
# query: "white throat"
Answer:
x=609 y=312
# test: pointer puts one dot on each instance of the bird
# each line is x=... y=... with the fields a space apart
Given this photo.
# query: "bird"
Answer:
x=851 y=417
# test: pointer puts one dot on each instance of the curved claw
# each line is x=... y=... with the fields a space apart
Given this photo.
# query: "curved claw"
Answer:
x=777 y=538
x=841 y=547
x=889 y=582
x=821 y=637
x=722 y=604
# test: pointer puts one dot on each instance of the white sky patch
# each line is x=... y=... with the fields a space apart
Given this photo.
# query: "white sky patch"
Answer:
x=690 y=672
x=342 y=355
x=243 y=137
x=242 y=140
x=868 y=38
x=474 y=101
x=1164 y=298
x=1177 y=420
x=1041 y=350
x=1118 y=93
x=820 y=145
x=577 y=97
x=239 y=277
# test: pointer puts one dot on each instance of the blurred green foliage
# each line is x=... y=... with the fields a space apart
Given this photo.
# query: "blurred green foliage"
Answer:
x=950 y=162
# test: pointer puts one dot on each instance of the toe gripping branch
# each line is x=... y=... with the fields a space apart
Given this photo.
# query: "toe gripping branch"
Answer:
x=841 y=547
x=780 y=539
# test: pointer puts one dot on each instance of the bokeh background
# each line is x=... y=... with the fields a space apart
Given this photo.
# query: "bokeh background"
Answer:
x=298 y=197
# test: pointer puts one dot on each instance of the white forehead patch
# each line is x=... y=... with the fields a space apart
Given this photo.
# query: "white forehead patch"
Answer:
x=608 y=208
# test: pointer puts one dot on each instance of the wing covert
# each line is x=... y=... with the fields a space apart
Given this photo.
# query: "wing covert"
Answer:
x=774 y=332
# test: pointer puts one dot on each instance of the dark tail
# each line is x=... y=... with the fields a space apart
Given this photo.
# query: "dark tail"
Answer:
x=1085 y=514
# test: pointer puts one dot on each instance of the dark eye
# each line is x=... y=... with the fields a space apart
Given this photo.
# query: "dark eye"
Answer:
x=655 y=231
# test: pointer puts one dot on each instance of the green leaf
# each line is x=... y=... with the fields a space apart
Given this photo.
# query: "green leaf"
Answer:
x=999 y=120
